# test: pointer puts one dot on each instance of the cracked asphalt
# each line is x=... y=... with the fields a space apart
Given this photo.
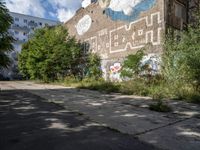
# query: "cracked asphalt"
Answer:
x=111 y=121
x=29 y=122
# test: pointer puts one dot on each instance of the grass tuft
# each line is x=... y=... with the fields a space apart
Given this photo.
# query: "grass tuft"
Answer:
x=160 y=107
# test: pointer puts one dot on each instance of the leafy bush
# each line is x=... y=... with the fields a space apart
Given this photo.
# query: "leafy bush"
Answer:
x=93 y=66
x=131 y=66
x=50 y=54
x=181 y=64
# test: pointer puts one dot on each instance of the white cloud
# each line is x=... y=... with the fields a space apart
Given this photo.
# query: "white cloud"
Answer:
x=64 y=15
x=69 y=4
x=65 y=9
x=86 y=3
x=30 y=7
x=124 y=5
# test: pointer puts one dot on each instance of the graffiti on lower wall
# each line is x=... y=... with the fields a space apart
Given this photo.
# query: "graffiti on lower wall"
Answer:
x=133 y=36
x=115 y=72
x=125 y=10
x=153 y=62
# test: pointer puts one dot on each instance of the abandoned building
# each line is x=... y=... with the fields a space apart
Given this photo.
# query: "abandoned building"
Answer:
x=114 y=29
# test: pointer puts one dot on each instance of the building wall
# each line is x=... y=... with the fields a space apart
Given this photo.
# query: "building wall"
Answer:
x=115 y=29
x=24 y=25
x=177 y=13
x=21 y=29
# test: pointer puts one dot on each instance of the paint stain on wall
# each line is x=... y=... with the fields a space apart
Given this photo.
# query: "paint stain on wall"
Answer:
x=126 y=10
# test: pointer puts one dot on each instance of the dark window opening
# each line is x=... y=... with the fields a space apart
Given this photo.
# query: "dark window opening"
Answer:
x=16 y=19
x=180 y=11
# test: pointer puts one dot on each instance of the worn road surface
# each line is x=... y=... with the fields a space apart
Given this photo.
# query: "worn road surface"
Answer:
x=108 y=121
x=29 y=122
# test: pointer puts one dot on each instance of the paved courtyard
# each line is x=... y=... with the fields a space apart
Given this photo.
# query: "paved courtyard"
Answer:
x=177 y=130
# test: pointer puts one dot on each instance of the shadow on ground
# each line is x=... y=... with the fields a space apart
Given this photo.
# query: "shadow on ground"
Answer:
x=28 y=122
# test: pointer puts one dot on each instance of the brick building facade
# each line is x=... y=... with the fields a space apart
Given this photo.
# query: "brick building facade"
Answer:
x=114 y=29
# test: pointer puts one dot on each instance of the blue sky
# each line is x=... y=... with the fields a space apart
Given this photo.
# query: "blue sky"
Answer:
x=61 y=10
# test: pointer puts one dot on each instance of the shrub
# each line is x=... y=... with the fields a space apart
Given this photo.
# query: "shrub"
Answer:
x=160 y=107
x=131 y=66
x=93 y=65
x=50 y=54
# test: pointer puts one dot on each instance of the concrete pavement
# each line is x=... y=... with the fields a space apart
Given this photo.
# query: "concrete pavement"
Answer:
x=176 y=130
x=28 y=122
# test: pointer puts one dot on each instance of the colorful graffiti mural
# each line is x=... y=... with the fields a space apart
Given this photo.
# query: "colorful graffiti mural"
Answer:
x=125 y=10
x=152 y=63
x=115 y=72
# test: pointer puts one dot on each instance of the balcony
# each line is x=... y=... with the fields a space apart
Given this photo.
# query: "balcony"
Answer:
x=32 y=24
x=20 y=28
x=19 y=41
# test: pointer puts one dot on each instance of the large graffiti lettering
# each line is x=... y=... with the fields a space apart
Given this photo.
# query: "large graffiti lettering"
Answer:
x=133 y=36
x=136 y=34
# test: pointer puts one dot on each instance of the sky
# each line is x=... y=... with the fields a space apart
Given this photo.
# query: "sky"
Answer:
x=61 y=10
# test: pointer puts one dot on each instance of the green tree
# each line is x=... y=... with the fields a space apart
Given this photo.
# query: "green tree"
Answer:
x=5 y=39
x=131 y=66
x=181 y=63
x=94 y=66
x=50 y=54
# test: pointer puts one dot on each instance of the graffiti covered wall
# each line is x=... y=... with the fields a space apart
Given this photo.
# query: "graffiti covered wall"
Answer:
x=126 y=10
x=117 y=28
x=115 y=72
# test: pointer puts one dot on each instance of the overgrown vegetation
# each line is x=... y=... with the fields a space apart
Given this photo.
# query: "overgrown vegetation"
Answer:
x=5 y=38
x=51 y=54
x=180 y=69
x=131 y=66
x=181 y=63
x=179 y=77
x=93 y=67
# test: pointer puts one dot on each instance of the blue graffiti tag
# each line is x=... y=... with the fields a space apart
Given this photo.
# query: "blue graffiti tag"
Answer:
x=144 y=5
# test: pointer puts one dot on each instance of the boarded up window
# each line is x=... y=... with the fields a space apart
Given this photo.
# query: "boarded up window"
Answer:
x=180 y=11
